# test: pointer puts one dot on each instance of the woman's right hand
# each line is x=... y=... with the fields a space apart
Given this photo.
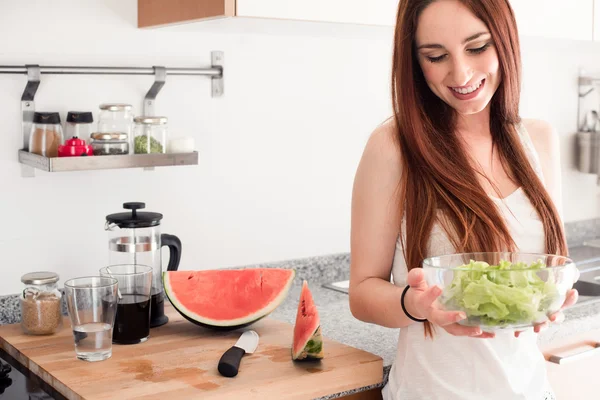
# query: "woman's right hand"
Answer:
x=420 y=303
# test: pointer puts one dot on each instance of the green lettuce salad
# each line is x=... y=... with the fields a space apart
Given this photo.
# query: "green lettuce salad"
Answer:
x=503 y=294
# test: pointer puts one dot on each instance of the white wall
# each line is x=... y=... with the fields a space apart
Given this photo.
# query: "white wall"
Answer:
x=277 y=153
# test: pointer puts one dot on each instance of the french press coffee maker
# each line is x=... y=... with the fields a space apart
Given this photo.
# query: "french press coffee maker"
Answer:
x=135 y=238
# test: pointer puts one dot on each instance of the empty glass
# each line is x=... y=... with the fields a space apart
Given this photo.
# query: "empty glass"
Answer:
x=132 y=324
x=92 y=304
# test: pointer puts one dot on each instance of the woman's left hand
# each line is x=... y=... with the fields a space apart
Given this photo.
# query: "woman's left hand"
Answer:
x=558 y=316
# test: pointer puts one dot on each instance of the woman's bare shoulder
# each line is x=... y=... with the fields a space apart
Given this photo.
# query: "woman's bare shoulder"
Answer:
x=382 y=146
x=378 y=173
x=542 y=134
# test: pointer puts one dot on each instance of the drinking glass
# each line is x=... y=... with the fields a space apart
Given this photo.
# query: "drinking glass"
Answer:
x=132 y=324
x=92 y=303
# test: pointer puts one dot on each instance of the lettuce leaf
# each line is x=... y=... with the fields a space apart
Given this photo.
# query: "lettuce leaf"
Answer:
x=499 y=295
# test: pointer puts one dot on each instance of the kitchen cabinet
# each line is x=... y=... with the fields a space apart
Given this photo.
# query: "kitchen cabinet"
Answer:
x=381 y=12
x=555 y=18
x=539 y=18
x=575 y=378
x=160 y=12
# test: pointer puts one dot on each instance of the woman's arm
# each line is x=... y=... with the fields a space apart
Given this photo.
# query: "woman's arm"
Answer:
x=375 y=224
x=374 y=230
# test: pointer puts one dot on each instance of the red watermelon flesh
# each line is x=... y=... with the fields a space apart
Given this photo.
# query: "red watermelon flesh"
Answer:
x=227 y=298
x=308 y=340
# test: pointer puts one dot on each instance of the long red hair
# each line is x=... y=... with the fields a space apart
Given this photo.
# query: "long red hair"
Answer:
x=437 y=176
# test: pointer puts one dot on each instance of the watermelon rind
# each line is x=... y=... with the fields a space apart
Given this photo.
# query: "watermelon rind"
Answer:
x=227 y=325
x=313 y=350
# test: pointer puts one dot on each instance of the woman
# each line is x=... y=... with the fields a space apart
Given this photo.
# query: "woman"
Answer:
x=455 y=170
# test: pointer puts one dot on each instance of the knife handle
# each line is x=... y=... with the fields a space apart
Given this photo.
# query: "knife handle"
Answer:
x=230 y=361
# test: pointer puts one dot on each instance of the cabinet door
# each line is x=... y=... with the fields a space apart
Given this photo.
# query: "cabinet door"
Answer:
x=370 y=12
x=576 y=377
x=555 y=18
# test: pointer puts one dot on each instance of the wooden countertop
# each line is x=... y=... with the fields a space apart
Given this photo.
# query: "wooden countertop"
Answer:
x=179 y=361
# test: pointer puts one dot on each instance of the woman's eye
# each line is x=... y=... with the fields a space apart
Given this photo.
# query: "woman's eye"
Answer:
x=479 y=49
x=436 y=59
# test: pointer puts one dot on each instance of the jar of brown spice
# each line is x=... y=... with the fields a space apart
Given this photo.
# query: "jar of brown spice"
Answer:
x=46 y=134
x=41 y=303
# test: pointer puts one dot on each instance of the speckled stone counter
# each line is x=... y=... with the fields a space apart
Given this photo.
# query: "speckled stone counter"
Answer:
x=339 y=324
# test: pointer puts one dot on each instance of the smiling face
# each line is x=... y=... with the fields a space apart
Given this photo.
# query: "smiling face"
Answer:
x=457 y=56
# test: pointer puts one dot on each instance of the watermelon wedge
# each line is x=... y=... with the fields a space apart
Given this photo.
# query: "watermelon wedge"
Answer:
x=227 y=299
x=308 y=340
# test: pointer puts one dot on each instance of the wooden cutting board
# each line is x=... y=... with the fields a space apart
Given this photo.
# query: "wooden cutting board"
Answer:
x=179 y=361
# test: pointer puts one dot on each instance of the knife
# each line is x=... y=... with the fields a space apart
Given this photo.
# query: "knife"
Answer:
x=230 y=360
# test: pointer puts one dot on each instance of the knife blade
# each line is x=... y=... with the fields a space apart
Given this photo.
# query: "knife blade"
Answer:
x=230 y=360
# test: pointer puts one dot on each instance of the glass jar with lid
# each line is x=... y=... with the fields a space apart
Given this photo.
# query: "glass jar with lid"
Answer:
x=150 y=135
x=116 y=118
x=79 y=124
x=109 y=143
x=41 y=303
x=46 y=134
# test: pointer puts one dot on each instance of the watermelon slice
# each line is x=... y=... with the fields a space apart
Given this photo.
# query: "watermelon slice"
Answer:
x=308 y=340
x=227 y=299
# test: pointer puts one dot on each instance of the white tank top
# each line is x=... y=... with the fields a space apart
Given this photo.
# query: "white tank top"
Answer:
x=463 y=368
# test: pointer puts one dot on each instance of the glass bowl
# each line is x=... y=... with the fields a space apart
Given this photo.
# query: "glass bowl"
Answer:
x=501 y=290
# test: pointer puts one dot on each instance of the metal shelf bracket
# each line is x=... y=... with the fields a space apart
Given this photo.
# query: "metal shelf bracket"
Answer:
x=27 y=109
x=160 y=75
x=217 y=58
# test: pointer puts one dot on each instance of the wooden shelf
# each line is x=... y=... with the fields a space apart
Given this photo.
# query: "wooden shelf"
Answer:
x=63 y=164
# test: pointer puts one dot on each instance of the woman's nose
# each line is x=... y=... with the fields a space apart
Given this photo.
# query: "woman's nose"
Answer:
x=461 y=72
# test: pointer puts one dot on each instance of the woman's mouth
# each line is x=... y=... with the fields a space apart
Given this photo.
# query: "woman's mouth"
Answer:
x=467 y=92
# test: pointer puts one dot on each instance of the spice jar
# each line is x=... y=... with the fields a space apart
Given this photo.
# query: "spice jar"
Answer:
x=150 y=135
x=40 y=303
x=46 y=134
x=109 y=143
x=116 y=118
x=79 y=124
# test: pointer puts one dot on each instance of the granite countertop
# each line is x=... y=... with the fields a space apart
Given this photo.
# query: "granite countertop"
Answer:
x=338 y=323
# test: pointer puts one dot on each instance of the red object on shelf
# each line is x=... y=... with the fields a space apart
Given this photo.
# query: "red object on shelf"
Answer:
x=75 y=147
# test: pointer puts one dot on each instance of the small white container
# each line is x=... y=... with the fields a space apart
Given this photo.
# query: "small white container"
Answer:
x=184 y=144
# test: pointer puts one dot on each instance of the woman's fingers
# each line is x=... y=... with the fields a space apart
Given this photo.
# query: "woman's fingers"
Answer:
x=540 y=327
x=416 y=279
x=421 y=301
x=444 y=318
x=427 y=298
x=572 y=296
x=460 y=330
x=557 y=317
x=486 y=335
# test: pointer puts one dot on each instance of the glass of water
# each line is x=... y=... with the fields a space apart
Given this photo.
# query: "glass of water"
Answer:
x=92 y=305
